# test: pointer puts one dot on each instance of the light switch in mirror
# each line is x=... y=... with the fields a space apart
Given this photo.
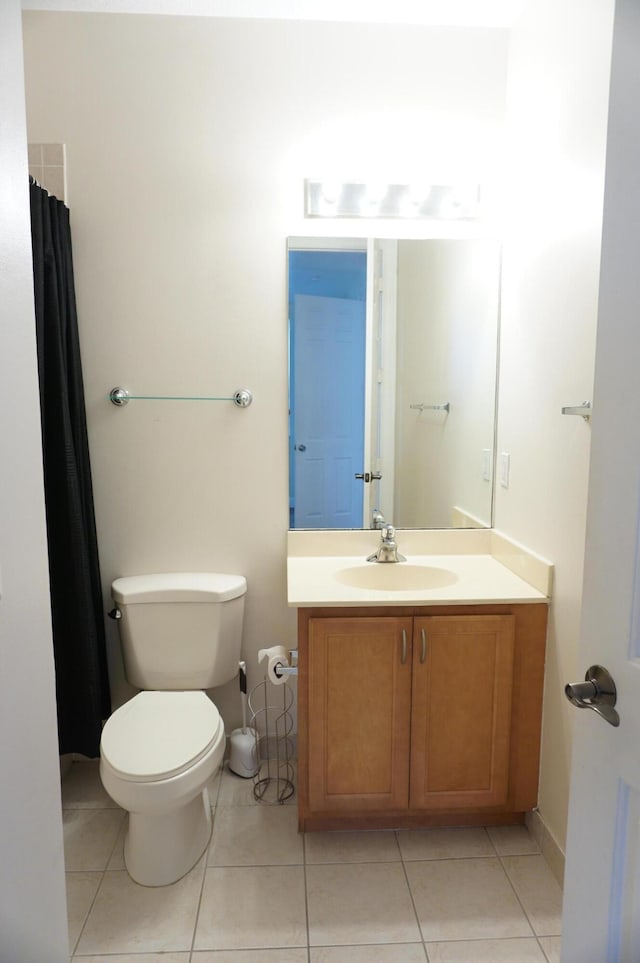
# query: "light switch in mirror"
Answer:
x=392 y=381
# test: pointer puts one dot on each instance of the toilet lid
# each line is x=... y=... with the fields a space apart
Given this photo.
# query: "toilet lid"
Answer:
x=157 y=735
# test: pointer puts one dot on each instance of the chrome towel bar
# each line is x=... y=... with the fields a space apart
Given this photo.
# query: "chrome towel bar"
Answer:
x=120 y=397
x=423 y=407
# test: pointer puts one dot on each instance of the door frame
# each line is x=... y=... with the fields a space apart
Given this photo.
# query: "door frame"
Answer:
x=381 y=376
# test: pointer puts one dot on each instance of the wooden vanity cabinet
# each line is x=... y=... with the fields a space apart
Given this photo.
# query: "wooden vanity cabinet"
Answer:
x=359 y=719
x=419 y=716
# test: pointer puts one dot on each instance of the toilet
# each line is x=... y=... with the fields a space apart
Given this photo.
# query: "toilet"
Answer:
x=180 y=635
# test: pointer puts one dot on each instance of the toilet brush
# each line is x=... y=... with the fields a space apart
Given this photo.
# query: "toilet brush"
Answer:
x=244 y=743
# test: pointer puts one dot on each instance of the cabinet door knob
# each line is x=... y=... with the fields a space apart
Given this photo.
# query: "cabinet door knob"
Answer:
x=403 y=658
x=423 y=653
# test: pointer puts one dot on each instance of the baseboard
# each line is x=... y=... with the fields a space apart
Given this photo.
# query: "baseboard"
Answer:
x=547 y=843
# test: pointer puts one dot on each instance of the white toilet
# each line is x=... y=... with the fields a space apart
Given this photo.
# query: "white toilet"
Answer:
x=180 y=634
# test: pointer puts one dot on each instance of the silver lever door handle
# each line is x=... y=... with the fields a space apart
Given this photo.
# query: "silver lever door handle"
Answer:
x=597 y=692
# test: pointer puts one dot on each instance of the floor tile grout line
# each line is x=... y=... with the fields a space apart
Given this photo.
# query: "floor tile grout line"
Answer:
x=204 y=856
x=259 y=865
x=102 y=876
x=219 y=775
x=108 y=809
x=72 y=953
x=123 y=823
x=413 y=902
x=501 y=858
x=453 y=859
x=306 y=892
x=493 y=939
x=542 y=949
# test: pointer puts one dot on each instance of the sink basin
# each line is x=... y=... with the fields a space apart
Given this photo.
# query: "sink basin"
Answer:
x=395 y=576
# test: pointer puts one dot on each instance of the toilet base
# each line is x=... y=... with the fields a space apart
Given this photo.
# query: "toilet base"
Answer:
x=160 y=848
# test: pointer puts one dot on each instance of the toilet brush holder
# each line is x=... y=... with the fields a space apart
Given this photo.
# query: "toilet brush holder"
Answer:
x=244 y=752
x=243 y=742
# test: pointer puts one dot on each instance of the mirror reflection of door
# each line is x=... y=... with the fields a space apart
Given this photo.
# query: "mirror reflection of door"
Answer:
x=327 y=343
x=429 y=311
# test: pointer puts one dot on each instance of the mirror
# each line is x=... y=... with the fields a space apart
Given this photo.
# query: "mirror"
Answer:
x=392 y=382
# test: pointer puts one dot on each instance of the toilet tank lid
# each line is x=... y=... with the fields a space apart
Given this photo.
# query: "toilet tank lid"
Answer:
x=178 y=587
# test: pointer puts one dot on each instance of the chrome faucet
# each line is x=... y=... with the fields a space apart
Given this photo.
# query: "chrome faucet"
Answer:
x=388 y=550
x=377 y=519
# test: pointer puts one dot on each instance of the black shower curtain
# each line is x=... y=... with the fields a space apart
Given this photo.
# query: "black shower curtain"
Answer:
x=82 y=685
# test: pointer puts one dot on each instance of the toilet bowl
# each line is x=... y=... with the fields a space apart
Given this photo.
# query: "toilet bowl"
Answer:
x=158 y=752
x=180 y=634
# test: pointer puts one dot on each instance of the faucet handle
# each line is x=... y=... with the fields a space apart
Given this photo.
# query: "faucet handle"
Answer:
x=388 y=533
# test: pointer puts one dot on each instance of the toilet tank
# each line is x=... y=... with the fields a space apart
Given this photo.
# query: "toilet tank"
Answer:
x=180 y=630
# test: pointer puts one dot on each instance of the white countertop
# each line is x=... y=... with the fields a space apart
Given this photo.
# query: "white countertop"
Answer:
x=472 y=575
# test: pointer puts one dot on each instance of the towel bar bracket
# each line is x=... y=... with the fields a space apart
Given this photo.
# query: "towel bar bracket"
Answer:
x=584 y=410
x=119 y=397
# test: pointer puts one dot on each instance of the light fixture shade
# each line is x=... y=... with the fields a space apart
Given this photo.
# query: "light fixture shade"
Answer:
x=359 y=199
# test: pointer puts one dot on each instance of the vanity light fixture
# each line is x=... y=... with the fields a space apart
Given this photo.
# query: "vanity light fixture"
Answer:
x=360 y=199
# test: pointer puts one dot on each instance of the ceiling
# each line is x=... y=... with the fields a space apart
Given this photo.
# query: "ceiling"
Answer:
x=457 y=13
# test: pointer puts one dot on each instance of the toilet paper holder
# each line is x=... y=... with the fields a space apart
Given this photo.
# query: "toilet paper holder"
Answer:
x=270 y=704
x=280 y=663
x=292 y=668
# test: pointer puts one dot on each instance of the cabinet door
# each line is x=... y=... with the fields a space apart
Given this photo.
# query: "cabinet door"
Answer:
x=359 y=713
x=461 y=719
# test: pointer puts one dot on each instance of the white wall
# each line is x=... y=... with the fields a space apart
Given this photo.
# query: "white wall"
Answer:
x=32 y=899
x=557 y=117
x=187 y=144
x=448 y=306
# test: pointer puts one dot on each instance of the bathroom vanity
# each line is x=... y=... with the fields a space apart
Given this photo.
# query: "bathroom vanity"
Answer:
x=420 y=683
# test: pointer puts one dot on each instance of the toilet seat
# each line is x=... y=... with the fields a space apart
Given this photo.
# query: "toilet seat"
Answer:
x=157 y=735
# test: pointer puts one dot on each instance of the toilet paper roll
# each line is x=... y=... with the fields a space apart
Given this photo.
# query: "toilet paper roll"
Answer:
x=276 y=655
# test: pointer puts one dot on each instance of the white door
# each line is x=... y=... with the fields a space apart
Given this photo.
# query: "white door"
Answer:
x=602 y=882
x=328 y=412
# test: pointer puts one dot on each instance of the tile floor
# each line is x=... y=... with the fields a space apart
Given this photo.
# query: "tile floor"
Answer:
x=262 y=893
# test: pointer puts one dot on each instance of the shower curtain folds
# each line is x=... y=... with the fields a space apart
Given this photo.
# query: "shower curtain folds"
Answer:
x=82 y=685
